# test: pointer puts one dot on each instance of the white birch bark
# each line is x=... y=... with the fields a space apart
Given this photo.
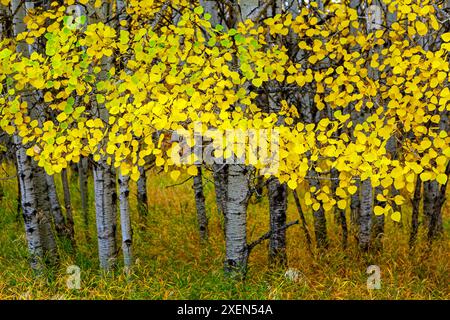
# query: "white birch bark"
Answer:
x=35 y=205
x=125 y=221
x=105 y=215
x=277 y=192
x=237 y=196
x=29 y=206
x=237 y=187
x=104 y=182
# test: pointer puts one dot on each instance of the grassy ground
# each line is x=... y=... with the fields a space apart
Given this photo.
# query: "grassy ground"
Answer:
x=171 y=263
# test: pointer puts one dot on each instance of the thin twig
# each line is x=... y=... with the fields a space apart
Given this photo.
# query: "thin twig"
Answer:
x=268 y=234
x=8 y=178
x=179 y=184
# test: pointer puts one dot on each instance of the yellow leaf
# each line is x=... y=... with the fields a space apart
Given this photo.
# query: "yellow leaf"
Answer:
x=399 y=199
x=446 y=37
x=135 y=176
x=292 y=184
x=159 y=161
x=421 y=28
x=192 y=170
x=316 y=206
x=48 y=97
x=425 y=176
x=441 y=178
x=10 y=130
x=352 y=190
x=378 y=210
x=174 y=175
x=61 y=117
x=396 y=216
x=342 y=204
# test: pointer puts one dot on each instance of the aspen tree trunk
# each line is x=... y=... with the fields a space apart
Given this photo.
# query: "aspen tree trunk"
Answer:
x=68 y=207
x=142 y=197
x=278 y=206
x=84 y=193
x=367 y=201
x=29 y=206
x=434 y=193
x=237 y=186
x=310 y=114
x=82 y=167
x=355 y=201
x=430 y=191
x=391 y=148
x=277 y=193
x=105 y=208
x=35 y=205
x=105 y=185
x=41 y=183
x=202 y=219
x=125 y=221
x=44 y=211
x=378 y=224
x=320 y=221
x=219 y=176
x=365 y=216
x=237 y=195
x=58 y=218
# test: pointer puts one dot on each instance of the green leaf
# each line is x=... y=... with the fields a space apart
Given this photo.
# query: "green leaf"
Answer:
x=81 y=20
x=211 y=41
x=100 y=98
x=199 y=10
x=70 y=101
x=5 y=53
x=239 y=38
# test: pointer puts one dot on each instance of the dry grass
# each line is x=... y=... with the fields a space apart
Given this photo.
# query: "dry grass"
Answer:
x=173 y=264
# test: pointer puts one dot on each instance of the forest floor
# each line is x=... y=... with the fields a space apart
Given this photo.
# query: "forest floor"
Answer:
x=171 y=262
